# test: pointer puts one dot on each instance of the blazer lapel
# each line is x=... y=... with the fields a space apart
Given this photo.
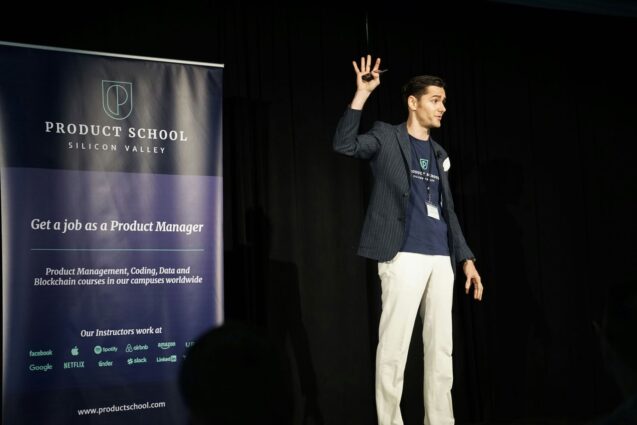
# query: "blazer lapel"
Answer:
x=444 y=180
x=439 y=152
x=440 y=158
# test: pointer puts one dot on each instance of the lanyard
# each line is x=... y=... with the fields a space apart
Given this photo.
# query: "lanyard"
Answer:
x=427 y=174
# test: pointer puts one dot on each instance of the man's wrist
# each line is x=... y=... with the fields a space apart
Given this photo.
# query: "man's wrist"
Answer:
x=360 y=97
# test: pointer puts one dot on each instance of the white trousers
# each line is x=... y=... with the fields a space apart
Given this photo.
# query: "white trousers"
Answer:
x=411 y=284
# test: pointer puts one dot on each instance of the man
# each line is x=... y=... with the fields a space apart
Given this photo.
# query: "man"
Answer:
x=411 y=229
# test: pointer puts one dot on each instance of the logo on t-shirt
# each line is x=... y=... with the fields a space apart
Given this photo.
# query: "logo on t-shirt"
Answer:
x=424 y=163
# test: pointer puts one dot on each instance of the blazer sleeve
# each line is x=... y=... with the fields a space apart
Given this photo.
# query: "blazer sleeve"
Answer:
x=461 y=249
x=348 y=142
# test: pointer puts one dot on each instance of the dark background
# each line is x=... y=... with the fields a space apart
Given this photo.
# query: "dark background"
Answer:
x=540 y=128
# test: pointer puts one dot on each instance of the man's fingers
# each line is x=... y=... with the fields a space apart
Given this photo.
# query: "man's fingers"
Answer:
x=365 y=66
x=479 y=290
x=377 y=65
x=358 y=71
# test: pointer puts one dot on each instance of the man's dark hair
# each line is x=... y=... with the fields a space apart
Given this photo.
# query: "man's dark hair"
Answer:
x=417 y=86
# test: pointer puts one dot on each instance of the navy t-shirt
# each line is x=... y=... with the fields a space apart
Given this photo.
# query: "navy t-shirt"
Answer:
x=424 y=234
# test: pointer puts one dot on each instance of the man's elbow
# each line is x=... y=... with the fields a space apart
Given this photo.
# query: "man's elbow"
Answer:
x=343 y=147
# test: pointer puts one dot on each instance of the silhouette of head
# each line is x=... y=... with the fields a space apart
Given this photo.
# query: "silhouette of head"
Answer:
x=617 y=332
x=234 y=375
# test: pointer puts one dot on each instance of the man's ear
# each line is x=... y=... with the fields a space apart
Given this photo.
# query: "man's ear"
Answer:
x=412 y=102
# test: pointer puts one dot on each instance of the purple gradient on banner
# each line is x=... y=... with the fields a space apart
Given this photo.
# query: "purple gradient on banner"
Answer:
x=59 y=319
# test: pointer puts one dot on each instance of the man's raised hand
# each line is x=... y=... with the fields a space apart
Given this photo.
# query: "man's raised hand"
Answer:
x=366 y=68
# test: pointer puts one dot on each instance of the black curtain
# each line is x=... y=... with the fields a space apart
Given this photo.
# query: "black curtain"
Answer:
x=540 y=129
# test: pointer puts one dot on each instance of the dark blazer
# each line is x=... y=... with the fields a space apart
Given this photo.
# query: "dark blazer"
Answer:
x=387 y=147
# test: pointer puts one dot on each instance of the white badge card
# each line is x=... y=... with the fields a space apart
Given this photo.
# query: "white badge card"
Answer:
x=432 y=211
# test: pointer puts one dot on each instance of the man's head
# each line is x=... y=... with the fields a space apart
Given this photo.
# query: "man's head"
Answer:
x=425 y=99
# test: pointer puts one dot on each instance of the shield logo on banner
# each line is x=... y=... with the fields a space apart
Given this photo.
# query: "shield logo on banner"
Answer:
x=424 y=163
x=117 y=99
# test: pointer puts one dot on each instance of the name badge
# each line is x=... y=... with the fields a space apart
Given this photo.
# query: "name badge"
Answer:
x=432 y=211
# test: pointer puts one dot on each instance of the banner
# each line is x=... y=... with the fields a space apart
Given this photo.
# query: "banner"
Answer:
x=111 y=203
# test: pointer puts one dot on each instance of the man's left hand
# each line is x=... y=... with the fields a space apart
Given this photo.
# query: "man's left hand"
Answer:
x=472 y=278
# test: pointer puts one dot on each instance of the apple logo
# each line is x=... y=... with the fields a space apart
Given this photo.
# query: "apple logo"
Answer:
x=75 y=351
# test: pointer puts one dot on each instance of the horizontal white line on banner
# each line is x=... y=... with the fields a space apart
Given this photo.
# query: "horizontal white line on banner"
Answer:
x=115 y=249
x=115 y=55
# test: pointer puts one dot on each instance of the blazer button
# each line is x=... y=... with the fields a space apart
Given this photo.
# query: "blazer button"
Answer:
x=401 y=219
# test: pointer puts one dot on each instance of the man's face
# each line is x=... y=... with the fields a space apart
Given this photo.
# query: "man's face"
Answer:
x=429 y=108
